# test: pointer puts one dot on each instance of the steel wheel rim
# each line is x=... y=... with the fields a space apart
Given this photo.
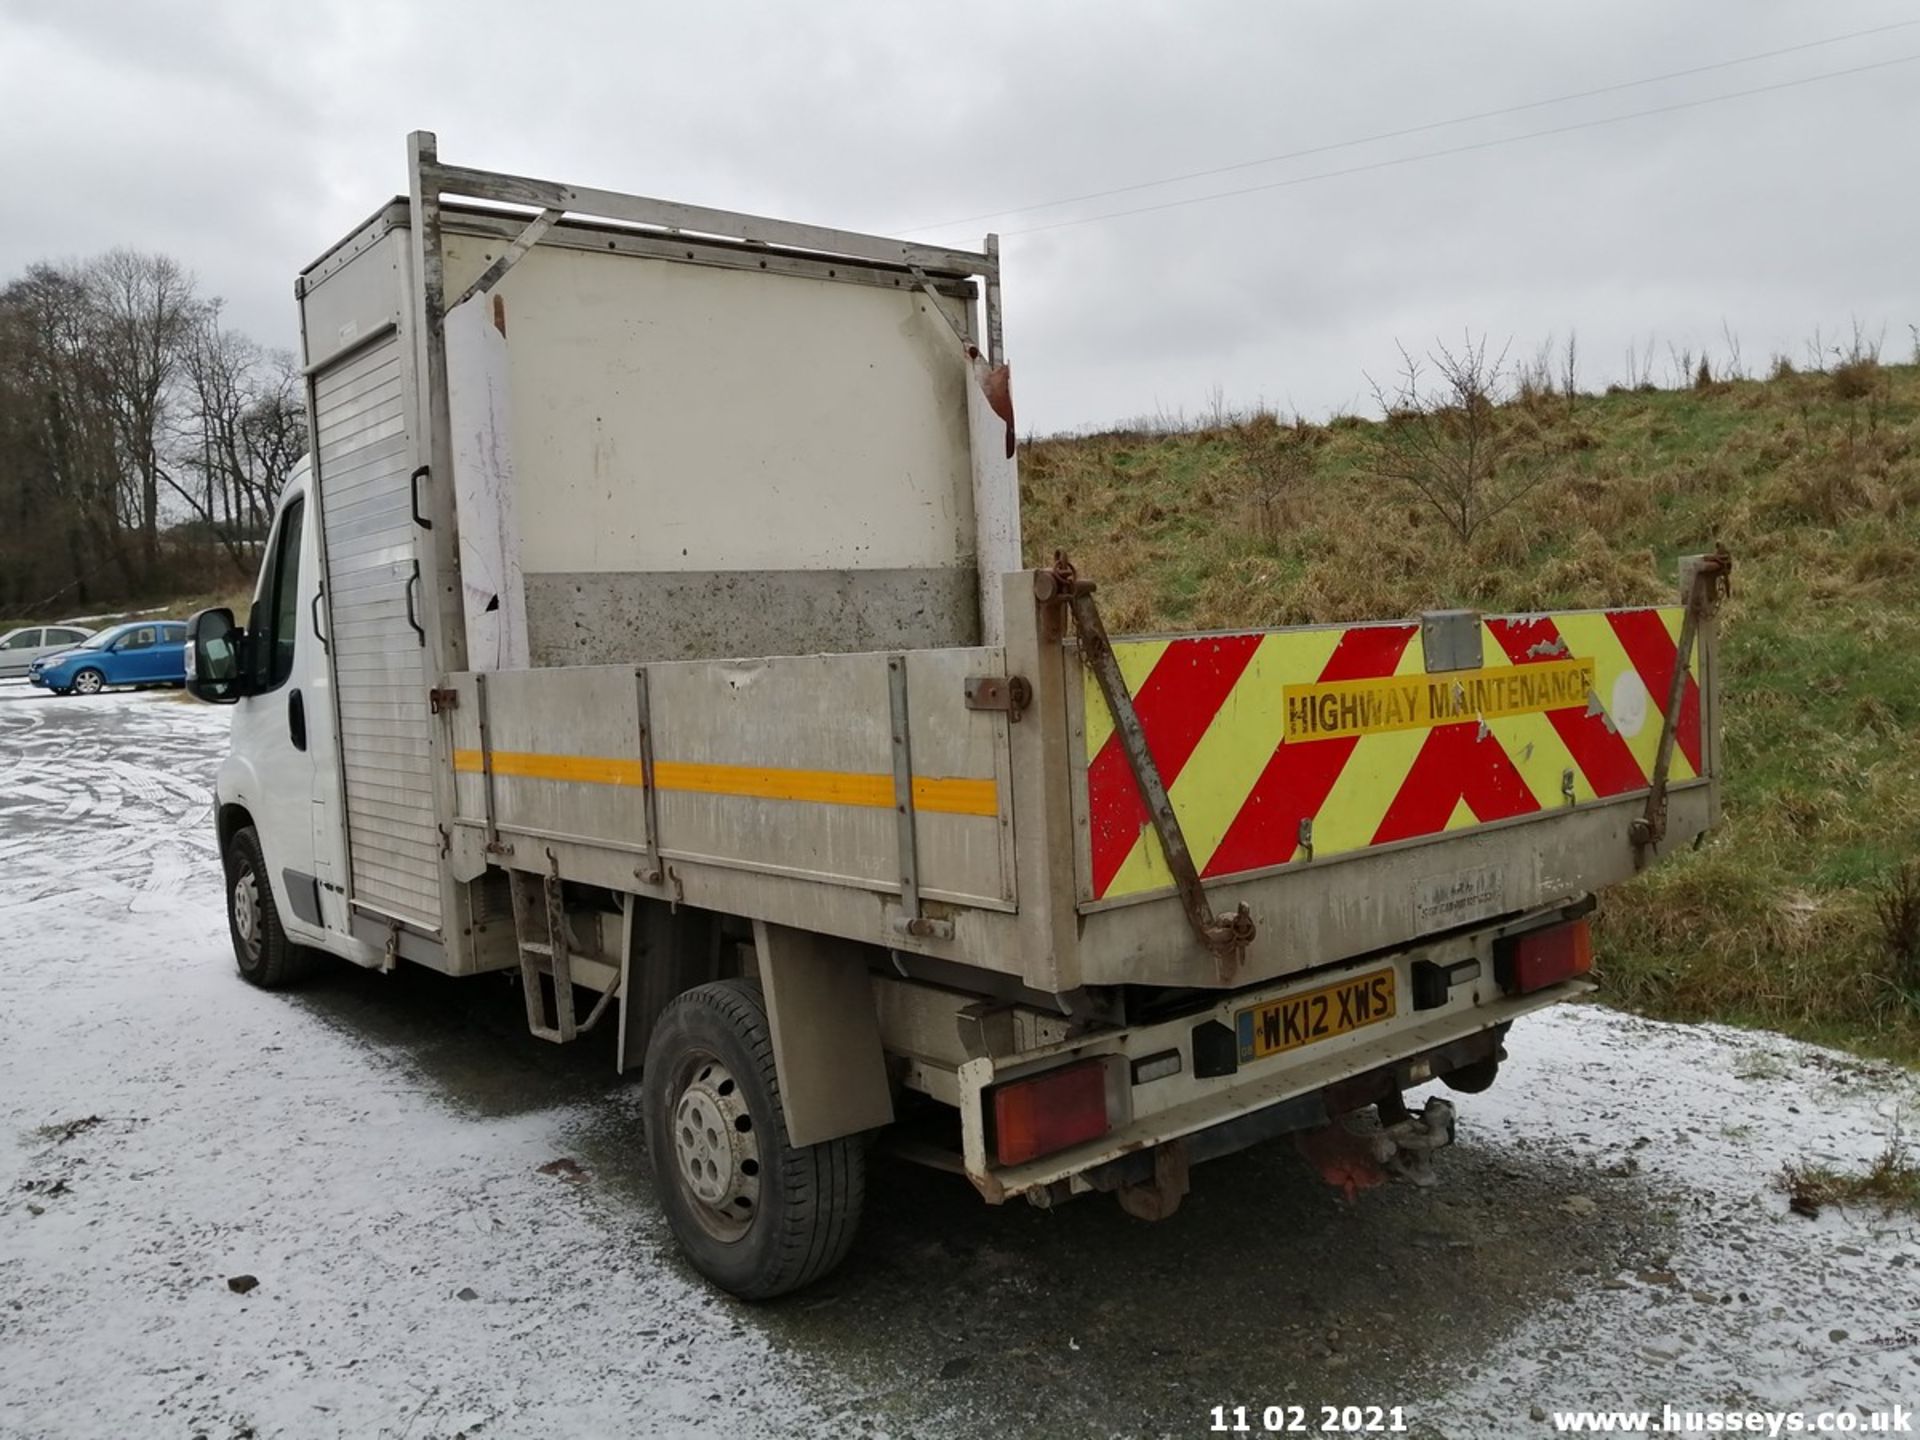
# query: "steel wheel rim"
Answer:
x=87 y=683
x=246 y=911
x=716 y=1148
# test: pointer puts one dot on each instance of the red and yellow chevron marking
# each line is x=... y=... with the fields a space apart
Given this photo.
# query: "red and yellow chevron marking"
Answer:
x=1257 y=734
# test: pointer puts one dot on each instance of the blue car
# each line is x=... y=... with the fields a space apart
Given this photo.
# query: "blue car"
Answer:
x=143 y=652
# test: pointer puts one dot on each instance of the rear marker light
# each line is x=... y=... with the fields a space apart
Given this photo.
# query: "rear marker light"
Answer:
x=1540 y=958
x=1049 y=1111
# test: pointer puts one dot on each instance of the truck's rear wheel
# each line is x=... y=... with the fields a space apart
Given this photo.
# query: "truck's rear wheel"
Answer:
x=756 y=1215
x=265 y=955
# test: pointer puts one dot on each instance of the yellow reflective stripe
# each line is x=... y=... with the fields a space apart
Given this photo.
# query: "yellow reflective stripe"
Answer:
x=1674 y=617
x=1368 y=785
x=1136 y=659
x=1238 y=743
x=939 y=794
x=1534 y=746
x=1589 y=634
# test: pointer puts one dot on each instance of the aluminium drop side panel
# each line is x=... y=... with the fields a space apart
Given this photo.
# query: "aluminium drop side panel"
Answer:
x=1372 y=837
x=764 y=767
x=774 y=793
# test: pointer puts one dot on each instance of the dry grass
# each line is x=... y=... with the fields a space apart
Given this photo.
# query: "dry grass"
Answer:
x=1815 y=488
x=1890 y=1184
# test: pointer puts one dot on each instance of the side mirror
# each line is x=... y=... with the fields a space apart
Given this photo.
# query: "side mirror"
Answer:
x=214 y=671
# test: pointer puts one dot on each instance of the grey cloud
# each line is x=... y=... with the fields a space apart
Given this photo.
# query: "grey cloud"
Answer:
x=244 y=138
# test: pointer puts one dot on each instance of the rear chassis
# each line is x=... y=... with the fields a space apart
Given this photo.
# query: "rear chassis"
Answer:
x=1201 y=1100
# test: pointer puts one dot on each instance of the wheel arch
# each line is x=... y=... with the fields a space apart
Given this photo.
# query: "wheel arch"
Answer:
x=229 y=820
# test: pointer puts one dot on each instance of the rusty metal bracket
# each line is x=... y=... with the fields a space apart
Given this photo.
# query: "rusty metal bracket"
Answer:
x=908 y=920
x=649 y=871
x=1711 y=581
x=1226 y=936
x=495 y=845
x=522 y=243
x=1011 y=693
x=441 y=701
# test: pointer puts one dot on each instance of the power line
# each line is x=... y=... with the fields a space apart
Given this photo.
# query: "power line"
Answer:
x=1465 y=149
x=1407 y=130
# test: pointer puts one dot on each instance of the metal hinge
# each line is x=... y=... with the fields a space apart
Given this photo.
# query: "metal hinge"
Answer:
x=1226 y=936
x=1708 y=581
x=441 y=701
x=1010 y=693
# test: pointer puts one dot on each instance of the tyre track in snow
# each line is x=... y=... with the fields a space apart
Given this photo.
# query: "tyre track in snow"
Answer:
x=279 y=1136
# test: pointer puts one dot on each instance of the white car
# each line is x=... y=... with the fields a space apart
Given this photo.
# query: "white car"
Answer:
x=20 y=648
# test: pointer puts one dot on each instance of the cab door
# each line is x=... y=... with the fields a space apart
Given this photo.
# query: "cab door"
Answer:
x=270 y=728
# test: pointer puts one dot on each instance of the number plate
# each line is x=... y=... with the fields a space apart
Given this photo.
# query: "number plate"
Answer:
x=1296 y=1020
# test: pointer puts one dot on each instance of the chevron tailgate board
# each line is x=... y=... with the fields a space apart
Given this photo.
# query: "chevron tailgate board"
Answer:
x=1255 y=733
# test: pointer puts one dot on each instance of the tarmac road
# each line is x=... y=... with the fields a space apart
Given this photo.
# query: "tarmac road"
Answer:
x=376 y=1151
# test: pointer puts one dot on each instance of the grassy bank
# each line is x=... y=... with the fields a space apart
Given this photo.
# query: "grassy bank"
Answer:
x=1785 y=918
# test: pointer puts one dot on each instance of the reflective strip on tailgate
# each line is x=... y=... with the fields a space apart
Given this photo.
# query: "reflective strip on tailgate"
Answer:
x=1340 y=738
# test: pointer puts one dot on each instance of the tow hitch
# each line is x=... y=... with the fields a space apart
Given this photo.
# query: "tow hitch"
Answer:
x=1366 y=1148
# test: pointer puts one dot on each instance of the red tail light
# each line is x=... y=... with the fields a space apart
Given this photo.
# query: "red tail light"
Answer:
x=1049 y=1111
x=1545 y=957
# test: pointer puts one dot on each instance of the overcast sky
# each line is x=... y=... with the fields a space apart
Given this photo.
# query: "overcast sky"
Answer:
x=245 y=136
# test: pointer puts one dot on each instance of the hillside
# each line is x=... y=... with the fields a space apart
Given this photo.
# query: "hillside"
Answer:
x=1791 y=916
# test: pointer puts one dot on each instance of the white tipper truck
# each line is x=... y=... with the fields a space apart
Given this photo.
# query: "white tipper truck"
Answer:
x=648 y=622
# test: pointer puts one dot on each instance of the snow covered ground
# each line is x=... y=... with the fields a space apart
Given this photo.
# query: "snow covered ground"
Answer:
x=378 y=1154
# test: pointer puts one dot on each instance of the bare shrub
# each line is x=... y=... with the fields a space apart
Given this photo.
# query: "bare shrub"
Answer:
x=1890 y=1184
x=1447 y=439
x=1898 y=908
x=1735 y=367
x=1274 y=461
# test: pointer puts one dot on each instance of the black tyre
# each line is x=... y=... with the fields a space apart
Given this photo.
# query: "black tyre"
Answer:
x=265 y=955
x=756 y=1215
x=89 y=681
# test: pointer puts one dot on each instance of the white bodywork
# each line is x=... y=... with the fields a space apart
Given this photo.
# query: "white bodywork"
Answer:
x=670 y=566
x=674 y=417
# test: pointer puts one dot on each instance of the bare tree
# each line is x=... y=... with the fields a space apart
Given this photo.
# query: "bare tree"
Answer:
x=1275 y=463
x=63 y=462
x=240 y=427
x=1447 y=439
x=144 y=309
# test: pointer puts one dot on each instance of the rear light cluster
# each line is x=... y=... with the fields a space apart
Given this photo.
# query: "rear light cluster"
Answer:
x=1539 y=958
x=1049 y=1111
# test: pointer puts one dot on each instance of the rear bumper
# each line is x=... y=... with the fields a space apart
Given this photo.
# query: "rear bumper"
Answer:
x=1218 y=1113
x=1302 y=1112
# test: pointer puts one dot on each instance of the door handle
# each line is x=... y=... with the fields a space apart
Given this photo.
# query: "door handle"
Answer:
x=314 y=613
x=297 y=720
x=413 y=616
